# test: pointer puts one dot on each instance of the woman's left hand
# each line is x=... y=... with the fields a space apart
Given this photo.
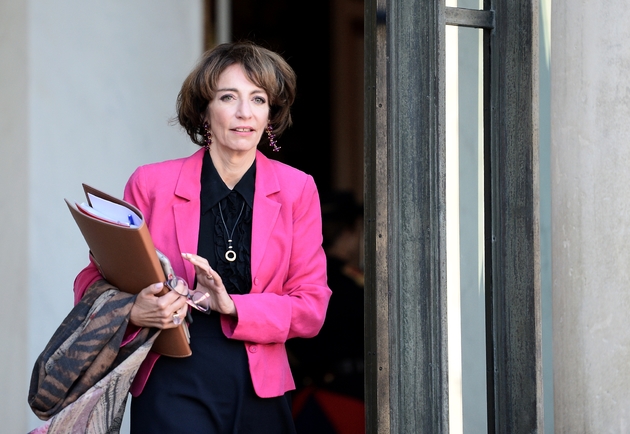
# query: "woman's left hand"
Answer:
x=210 y=282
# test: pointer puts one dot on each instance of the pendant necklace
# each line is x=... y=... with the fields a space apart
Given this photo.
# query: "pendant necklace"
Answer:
x=230 y=254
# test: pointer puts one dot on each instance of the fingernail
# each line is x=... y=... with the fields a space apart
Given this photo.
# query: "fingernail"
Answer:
x=159 y=285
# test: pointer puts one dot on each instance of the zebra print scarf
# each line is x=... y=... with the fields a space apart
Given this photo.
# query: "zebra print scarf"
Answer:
x=84 y=349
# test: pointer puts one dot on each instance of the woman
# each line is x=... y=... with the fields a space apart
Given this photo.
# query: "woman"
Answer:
x=245 y=230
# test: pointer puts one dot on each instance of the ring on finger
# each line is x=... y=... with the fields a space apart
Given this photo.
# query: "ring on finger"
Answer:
x=177 y=320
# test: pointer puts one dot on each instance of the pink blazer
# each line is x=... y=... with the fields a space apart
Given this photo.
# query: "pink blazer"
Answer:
x=289 y=294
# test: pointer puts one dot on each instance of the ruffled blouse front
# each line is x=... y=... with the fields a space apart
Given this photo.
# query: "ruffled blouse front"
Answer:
x=227 y=214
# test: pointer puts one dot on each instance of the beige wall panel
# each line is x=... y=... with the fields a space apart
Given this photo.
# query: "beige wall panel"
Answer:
x=87 y=90
x=591 y=215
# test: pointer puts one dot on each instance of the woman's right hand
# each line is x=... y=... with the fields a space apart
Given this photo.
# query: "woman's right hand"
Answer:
x=149 y=310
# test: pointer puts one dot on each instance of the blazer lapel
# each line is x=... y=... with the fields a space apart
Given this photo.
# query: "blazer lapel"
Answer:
x=266 y=209
x=186 y=213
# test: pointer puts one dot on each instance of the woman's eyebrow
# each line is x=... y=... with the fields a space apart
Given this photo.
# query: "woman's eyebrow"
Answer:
x=230 y=89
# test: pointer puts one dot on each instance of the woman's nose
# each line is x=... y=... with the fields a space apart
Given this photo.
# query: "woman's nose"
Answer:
x=244 y=110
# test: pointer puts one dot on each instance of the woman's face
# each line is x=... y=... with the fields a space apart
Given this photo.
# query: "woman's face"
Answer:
x=238 y=114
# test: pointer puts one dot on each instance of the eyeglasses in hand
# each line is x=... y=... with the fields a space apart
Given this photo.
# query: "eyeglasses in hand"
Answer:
x=199 y=300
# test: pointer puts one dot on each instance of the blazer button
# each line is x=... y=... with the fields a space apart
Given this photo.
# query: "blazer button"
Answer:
x=253 y=348
x=256 y=281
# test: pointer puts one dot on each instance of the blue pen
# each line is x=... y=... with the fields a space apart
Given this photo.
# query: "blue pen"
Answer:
x=131 y=223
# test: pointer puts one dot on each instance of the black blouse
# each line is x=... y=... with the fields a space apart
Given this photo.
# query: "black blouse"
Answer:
x=225 y=213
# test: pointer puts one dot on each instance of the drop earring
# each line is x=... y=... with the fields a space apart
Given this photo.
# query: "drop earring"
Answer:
x=272 y=138
x=207 y=135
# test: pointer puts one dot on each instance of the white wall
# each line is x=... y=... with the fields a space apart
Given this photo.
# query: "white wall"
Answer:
x=86 y=92
x=590 y=156
x=14 y=185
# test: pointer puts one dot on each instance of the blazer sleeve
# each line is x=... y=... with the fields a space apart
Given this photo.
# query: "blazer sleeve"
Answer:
x=298 y=307
x=85 y=279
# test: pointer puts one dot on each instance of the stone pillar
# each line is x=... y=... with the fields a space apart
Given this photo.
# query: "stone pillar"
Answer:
x=590 y=165
x=86 y=93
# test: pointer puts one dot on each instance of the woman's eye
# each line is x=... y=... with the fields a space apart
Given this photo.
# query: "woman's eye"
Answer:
x=227 y=97
x=260 y=100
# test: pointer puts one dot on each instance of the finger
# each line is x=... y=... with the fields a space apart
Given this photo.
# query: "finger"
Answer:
x=201 y=265
x=170 y=302
x=180 y=314
x=193 y=258
x=208 y=276
x=181 y=305
x=173 y=316
x=181 y=286
x=197 y=261
x=154 y=289
x=183 y=310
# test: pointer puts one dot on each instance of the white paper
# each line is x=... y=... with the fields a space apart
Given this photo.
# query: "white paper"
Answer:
x=114 y=211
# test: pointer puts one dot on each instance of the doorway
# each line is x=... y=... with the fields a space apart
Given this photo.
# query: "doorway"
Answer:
x=323 y=43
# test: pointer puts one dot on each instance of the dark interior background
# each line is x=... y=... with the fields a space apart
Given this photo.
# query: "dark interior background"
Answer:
x=300 y=32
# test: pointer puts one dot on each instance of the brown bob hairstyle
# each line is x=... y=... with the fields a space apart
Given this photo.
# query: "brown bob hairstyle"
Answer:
x=263 y=67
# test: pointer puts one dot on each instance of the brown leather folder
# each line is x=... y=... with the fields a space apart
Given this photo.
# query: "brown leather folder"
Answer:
x=127 y=259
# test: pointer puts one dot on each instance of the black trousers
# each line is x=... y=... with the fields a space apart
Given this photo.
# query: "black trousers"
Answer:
x=208 y=392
